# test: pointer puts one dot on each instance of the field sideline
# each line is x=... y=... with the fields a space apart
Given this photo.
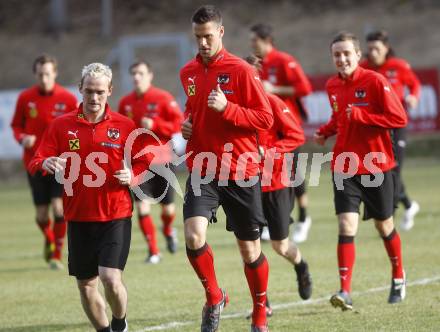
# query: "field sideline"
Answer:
x=169 y=297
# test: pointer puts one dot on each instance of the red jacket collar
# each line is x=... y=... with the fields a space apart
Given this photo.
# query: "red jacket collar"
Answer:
x=80 y=114
x=50 y=93
x=144 y=95
x=273 y=52
x=354 y=77
x=216 y=59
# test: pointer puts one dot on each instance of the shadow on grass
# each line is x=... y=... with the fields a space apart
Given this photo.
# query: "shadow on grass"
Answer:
x=24 y=269
x=49 y=328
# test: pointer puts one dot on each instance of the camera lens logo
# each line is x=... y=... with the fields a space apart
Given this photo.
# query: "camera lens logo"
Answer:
x=156 y=166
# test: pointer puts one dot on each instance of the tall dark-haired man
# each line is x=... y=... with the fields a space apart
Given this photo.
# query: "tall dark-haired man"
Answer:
x=283 y=76
x=226 y=105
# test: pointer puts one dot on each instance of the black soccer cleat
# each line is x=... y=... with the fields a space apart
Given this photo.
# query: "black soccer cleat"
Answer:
x=48 y=250
x=304 y=280
x=211 y=314
x=172 y=242
x=398 y=290
x=342 y=300
x=116 y=325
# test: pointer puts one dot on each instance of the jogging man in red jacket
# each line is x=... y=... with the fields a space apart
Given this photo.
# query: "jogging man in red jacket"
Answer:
x=89 y=145
x=365 y=109
x=226 y=105
x=284 y=136
x=36 y=108
x=381 y=58
x=283 y=76
x=156 y=110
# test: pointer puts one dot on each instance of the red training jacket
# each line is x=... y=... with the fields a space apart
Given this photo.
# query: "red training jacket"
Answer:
x=161 y=107
x=399 y=73
x=285 y=135
x=103 y=200
x=247 y=110
x=375 y=109
x=280 y=68
x=35 y=110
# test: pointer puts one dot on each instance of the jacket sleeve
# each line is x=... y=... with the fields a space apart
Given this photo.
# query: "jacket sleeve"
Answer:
x=290 y=132
x=330 y=128
x=297 y=78
x=48 y=147
x=254 y=111
x=411 y=81
x=143 y=160
x=19 y=119
x=391 y=113
x=171 y=119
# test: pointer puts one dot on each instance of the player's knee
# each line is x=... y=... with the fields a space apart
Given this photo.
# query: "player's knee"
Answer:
x=169 y=209
x=281 y=247
x=195 y=233
x=194 y=240
x=384 y=227
x=42 y=214
x=249 y=254
x=347 y=224
x=111 y=282
x=87 y=288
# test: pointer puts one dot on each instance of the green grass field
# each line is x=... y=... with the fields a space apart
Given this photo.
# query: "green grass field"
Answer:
x=34 y=298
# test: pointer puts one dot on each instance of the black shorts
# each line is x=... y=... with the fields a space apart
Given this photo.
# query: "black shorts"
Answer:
x=277 y=206
x=242 y=206
x=379 y=202
x=155 y=187
x=301 y=188
x=93 y=244
x=44 y=188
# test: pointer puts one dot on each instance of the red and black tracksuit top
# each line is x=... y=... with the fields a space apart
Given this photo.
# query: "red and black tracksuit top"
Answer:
x=161 y=107
x=247 y=110
x=104 y=201
x=375 y=109
x=399 y=73
x=35 y=110
x=285 y=135
x=280 y=68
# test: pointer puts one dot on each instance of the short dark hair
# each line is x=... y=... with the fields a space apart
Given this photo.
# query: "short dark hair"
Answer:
x=347 y=36
x=263 y=31
x=139 y=63
x=42 y=59
x=382 y=36
x=207 y=13
x=252 y=59
x=379 y=35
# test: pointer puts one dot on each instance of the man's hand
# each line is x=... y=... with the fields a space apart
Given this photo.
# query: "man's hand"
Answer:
x=54 y=164
x=217 y=100
x=319 y=139
x=348 y=111
x=123 y=175
x=268 y=87
x=187 y=128
x=147 y=123
x=28 y=141
x=411 y=102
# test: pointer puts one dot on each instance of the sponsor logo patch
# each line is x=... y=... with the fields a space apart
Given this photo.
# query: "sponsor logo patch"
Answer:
x=113 y=133
x=74 y=144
